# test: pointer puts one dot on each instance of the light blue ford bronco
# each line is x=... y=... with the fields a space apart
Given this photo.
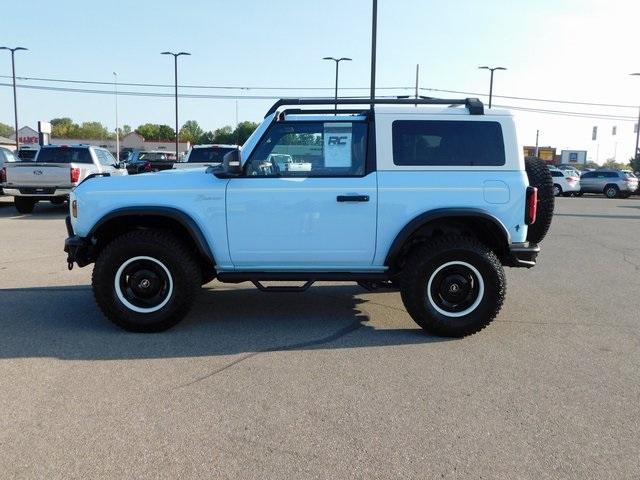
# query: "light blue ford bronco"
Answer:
x=429 y=196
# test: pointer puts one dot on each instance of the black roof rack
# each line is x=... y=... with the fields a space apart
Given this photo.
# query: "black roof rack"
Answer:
x=474 y=105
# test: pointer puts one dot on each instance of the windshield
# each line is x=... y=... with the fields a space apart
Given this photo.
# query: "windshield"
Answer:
x=208 y=154
x=9 y=156
x=64 y=155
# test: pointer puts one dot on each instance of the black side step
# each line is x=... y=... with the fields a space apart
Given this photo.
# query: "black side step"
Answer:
x=283 y=289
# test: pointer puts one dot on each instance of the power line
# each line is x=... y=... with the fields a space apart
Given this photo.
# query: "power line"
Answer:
x=272 y=97
x=216 y=87
x=572 y=102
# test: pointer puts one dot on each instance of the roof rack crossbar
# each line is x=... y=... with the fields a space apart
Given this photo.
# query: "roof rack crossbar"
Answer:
x=474 y=105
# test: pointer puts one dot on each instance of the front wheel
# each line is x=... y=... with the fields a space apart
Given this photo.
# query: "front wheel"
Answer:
x=453 y=286
x=145 y=281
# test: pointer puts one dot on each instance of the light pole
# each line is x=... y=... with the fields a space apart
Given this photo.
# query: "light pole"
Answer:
x=175 y=70
x=337 y=60
x=15 y=100
x=636 y=154
x=115 y=89
x=492 y=69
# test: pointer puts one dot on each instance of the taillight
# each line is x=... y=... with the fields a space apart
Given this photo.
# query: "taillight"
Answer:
x=74 y=175
x=3 y=175
x=531 y=206
x=572 y=179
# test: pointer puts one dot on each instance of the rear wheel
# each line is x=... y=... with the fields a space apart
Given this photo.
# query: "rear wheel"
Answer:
x=145 y=281
x=24 y=204
x=611 y=191
x=453 y=286
x=557 y=190
x=540 y=177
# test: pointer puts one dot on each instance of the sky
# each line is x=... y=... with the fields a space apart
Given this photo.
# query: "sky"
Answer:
x=572 y=50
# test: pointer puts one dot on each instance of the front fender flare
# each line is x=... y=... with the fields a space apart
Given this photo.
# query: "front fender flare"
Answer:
x=184 y=219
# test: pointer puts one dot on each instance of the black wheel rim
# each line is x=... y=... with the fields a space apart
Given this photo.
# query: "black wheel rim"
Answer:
x=455 y=289
x=143 y=284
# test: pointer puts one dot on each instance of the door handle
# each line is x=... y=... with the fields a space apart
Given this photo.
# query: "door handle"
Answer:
x=352 y=198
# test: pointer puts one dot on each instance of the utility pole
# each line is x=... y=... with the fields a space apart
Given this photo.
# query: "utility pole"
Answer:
x=115 y=88
x=417 y=80
x=636 y=153
x=492 y=69
x=15 y=98
x=175 y=71
x=374 y=31
x=537 y=136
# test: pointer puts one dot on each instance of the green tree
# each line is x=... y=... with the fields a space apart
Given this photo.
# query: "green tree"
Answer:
x=166 y=133
x=612 y=164
x=243 y=131
x=6 y=130
x=223 y=135
x=190 y=132
x=124 y=130
x=63 y=128
x=635 y=163
x=93 y=131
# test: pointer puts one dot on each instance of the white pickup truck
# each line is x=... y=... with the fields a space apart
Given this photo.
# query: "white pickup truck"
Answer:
x=56 y=170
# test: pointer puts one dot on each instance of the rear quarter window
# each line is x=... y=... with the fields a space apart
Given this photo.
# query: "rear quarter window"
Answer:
x=64 y=155
x=447 y=143
x=208 y=155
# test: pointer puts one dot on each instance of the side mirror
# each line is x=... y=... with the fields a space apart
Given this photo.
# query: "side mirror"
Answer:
x=231 y=163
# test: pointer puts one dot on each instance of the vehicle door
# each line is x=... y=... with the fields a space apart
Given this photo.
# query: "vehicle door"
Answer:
x=588 y=182
x=314 y=208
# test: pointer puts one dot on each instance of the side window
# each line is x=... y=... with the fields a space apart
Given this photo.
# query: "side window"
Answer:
x=424 y=143
x=102 y=157
x=311 y=149
x=588 y=175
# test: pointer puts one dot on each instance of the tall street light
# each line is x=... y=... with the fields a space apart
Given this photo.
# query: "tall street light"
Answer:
x=493 y=69
x=337 y=60
x=175 y=67
x=636 y=154
x=115 y=91
x=15 y=100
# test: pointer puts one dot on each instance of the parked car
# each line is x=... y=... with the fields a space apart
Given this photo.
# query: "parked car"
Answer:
x=564 y=183
x=612 y=183
x=140 y=161
x=204 y=155
x=57 y=169
x=6 y=156
x=437 y=203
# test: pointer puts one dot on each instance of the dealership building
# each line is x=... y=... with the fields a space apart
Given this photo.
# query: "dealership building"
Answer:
x=27 y=136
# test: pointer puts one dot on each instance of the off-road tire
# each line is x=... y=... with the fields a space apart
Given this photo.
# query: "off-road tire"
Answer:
x=540 y=177
x=24 y=204
x=167 y=250
x=427 y=260
x=611 y=191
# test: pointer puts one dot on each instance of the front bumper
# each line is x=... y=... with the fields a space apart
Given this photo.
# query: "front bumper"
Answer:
x=521 y=255
x=78 y=249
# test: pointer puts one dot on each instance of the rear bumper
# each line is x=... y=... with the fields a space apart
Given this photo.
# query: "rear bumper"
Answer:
x=78 y=249
x=521 y=255
x=39 y=192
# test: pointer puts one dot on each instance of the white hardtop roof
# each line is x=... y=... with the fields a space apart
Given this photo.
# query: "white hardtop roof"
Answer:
x=438 y=110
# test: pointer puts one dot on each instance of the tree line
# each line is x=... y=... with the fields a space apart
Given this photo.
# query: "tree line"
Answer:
x=65 y=127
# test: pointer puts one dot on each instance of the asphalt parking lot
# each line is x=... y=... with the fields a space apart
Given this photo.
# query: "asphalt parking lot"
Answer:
x=332 y=383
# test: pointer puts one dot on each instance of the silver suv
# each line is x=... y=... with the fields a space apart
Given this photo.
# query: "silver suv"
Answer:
x=613 y=183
